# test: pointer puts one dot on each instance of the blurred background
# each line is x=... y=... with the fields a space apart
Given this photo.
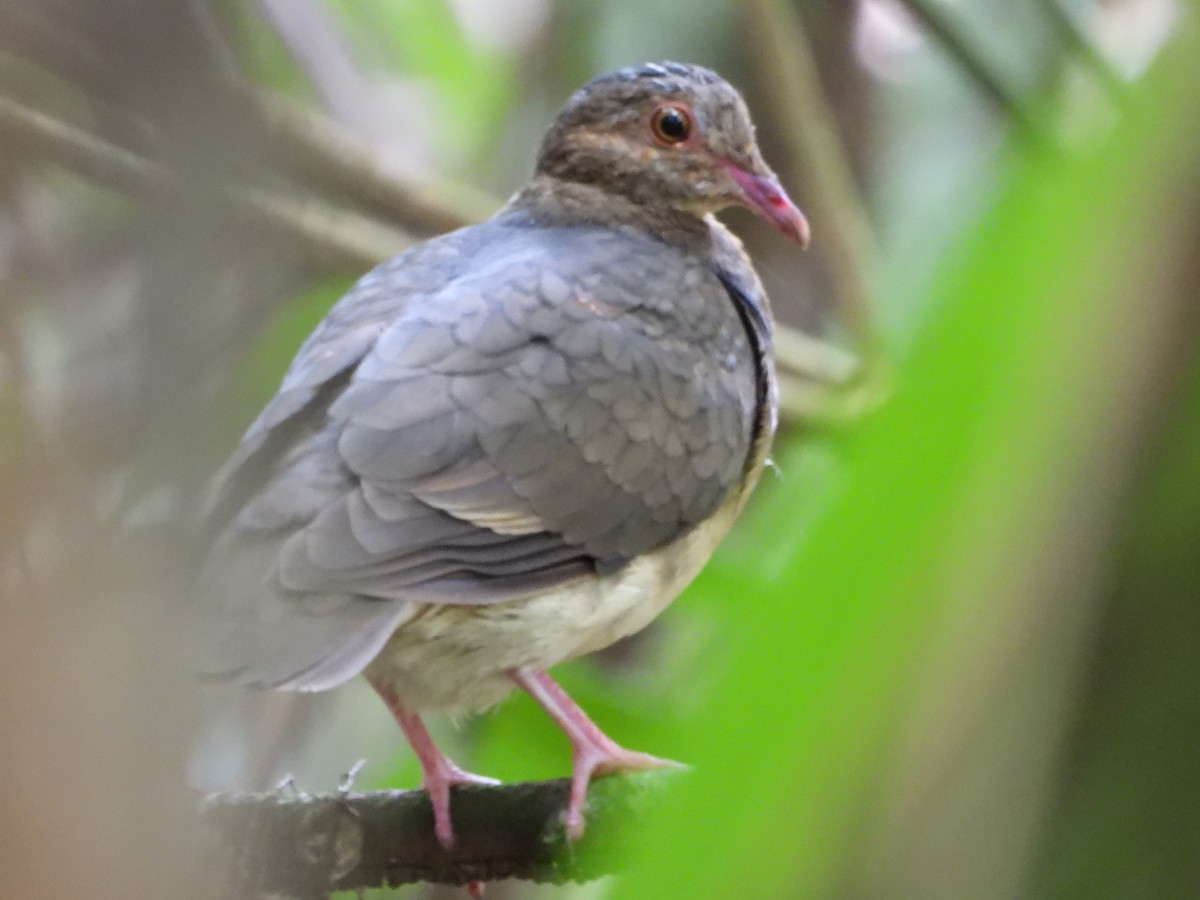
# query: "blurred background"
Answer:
x=952 y=651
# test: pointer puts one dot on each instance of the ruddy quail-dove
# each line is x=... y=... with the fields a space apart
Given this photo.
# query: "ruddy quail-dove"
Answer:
x=516 y=443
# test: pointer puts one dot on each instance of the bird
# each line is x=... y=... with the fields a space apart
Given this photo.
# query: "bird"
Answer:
x=516 y=443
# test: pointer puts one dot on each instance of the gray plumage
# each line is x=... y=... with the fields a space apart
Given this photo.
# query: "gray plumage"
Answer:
x=497 y=414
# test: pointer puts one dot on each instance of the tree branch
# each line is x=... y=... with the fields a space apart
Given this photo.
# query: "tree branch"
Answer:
x=305 y=847
x=332 y=236
x=320 y=50
x=336 y=159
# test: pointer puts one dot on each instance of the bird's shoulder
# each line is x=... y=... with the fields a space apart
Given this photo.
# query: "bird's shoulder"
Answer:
x=599 y=379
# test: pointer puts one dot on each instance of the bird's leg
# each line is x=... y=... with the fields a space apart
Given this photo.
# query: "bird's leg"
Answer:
x=592 y=751
x=438 y=771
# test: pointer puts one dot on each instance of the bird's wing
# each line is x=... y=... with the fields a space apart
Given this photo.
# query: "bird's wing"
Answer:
x=326 y=358
x=565 y=407
x=560 y=407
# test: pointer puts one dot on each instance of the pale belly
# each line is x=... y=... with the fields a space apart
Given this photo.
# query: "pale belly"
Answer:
x=455 y=657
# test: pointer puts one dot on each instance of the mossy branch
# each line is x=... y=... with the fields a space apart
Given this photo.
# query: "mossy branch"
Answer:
x=305 y=847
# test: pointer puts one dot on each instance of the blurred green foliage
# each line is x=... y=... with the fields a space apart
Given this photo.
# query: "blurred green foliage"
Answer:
x=1127 y=824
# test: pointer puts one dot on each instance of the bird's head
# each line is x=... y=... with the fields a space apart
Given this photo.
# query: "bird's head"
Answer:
x=668 y=134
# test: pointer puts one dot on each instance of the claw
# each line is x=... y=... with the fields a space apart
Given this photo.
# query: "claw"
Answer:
x=439 y=773
x=439 y=778
x=346 y=782
x=593 y=752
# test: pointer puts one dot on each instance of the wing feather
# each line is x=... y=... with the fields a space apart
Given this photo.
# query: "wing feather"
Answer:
x=502 y=425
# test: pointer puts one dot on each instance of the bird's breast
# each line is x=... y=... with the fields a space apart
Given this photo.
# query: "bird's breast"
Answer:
x=456 y=658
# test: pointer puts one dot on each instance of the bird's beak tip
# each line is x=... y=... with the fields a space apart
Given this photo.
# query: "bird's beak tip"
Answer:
x=764 y=195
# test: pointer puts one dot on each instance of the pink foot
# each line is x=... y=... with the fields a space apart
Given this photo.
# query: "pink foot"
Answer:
x=439 y=773
x=592 y=751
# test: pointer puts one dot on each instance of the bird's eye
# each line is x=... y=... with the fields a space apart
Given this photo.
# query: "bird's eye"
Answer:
x=671 y=124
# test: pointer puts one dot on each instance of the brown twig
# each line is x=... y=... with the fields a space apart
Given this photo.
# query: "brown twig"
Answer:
x=1078 y=43
x=843 y=233
x=336 y=159
x=305 y=847
x=332 y=236
x=933 y=17
x=812 y=375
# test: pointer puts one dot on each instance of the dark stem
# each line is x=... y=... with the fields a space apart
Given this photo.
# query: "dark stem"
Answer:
x=332 y=236
x=1081 y=46
x=935 y=19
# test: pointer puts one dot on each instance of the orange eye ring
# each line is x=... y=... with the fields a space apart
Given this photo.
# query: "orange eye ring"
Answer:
x=671 y=124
